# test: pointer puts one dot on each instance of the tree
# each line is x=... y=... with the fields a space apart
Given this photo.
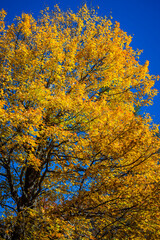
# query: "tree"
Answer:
x=76 y=161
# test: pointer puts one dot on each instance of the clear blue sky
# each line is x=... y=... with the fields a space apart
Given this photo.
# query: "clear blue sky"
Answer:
x=139 y=18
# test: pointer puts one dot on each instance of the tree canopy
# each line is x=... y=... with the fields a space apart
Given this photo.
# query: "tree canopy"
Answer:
x=76 y=161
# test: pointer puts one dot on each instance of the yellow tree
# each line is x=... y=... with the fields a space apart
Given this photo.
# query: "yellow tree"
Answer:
x=76 y=161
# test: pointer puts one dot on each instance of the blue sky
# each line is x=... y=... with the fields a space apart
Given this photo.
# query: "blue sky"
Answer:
x=139 y=18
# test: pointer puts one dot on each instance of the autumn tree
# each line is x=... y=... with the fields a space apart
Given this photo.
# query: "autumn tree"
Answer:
x=76 y=162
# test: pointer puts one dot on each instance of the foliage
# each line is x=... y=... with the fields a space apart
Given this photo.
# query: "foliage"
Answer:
x=76 y=161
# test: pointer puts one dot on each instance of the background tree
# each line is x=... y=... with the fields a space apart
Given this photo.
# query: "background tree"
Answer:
x=76 y=161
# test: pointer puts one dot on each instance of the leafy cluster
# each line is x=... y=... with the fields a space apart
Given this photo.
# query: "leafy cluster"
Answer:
x=76 y=161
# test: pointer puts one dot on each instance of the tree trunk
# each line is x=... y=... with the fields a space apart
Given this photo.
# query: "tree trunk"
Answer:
x=18 y=232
